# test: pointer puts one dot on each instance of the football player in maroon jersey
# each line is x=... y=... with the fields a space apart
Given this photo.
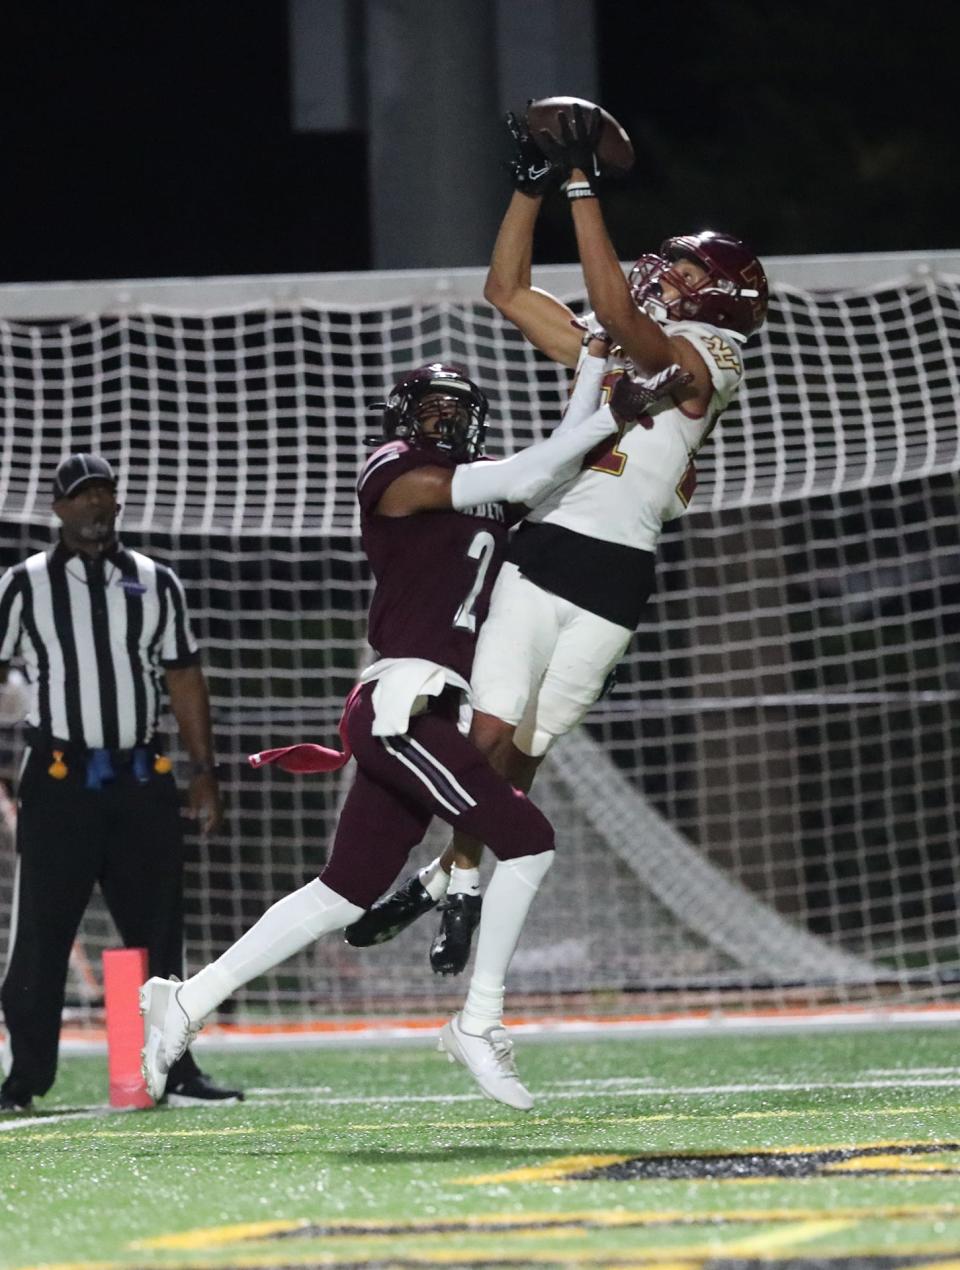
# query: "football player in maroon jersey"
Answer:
x=581 y=568
x=434 y=531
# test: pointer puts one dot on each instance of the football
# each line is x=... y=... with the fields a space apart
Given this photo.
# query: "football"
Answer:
x=614 y=150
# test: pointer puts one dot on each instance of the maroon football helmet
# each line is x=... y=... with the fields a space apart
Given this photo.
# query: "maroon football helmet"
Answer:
x=439 y=394
x=733 y=295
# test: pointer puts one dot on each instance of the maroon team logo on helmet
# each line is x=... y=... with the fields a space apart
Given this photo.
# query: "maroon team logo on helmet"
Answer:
x=436 y=405
x=732 y=294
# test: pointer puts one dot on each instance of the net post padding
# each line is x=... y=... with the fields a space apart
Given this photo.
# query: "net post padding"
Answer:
x=708 y=902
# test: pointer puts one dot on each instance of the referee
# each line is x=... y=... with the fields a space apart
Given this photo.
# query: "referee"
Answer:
x=97 y=628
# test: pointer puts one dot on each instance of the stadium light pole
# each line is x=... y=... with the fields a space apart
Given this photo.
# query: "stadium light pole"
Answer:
x=430 y=81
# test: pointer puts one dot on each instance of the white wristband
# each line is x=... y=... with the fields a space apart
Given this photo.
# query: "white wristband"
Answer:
x=579 y=189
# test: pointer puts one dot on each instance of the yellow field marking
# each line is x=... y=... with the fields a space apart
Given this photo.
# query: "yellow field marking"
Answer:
x=789 y=1237
x=661 y=1265
x=439 y=1257
x=947 y=1162
x=82 y=1265
x=215 y=1235
x=546 y=1222
x=558 y=1170
x=663 y=1258
x=795 y=1227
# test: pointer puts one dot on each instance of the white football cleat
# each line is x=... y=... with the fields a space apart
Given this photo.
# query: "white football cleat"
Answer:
x=167 y=1031
x=489 y=1060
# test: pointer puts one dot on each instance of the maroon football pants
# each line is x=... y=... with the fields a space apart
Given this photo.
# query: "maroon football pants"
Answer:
x=402 y=782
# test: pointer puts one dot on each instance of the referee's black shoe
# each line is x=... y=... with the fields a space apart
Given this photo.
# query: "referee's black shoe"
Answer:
x=459 y=918
x=14 y=1097
x=389 y=916
x=200 y=1091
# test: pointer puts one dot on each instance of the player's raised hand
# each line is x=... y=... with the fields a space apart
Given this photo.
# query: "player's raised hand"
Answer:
x=576 y=147
x=530 y=170
x=632 y=398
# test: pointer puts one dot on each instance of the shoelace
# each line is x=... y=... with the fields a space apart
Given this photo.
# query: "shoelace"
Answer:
x=502 y=1048
x=192 y=1030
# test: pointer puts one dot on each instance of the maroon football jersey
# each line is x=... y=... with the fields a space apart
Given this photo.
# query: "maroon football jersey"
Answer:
x=434 y=570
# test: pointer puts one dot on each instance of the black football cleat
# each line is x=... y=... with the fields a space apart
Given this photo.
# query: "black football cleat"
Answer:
x=389 y=916
x=200 y=1091
x=14 y=1097
x=459 y=918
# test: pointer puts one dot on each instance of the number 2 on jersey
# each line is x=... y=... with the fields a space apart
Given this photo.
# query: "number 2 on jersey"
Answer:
x=481 y=549
x=605 y=457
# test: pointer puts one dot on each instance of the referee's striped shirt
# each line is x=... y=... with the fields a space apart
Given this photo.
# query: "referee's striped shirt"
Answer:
x=94 y=637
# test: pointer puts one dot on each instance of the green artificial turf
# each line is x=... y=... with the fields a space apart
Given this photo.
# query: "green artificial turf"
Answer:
x=718 y=1149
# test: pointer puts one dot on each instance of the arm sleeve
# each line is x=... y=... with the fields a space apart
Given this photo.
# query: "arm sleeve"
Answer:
x=178 y=647
x=585 y=397
x=526 y=477
x=11 y=607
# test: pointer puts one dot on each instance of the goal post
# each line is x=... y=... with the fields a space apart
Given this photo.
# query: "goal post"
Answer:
x=764 y=811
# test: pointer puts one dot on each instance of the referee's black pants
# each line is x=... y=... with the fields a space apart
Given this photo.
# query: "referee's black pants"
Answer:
x=127 y=837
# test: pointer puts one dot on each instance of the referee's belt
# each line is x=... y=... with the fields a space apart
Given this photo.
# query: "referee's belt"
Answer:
x=101 y=766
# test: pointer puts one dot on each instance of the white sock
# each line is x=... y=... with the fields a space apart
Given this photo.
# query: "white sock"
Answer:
x=484 y=1005
x=286 y=927
x=509 y=895
x=464 y=881
x=434 y=879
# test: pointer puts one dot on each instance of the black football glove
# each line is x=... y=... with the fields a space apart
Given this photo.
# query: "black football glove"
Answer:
x=632 y=398
x=577 y=144
x=530 y=170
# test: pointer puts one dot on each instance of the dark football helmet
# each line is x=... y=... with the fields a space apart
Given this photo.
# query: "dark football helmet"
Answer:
x=436 y=405
x=733 y=294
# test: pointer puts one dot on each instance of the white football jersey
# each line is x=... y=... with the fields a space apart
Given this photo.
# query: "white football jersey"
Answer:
x=647 y=475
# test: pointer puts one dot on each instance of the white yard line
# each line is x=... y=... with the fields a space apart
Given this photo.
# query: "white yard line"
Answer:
x=560 y=1091
x=33 y=1122
x=912 y=1071
x=602 y=1089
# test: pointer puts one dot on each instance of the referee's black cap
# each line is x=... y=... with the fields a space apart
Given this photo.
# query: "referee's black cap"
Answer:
x=78 y=470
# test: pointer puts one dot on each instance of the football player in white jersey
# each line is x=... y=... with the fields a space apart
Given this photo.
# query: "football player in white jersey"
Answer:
x=581 y=566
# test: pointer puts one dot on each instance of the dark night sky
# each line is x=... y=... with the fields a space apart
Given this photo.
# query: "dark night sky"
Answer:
x=153 y=139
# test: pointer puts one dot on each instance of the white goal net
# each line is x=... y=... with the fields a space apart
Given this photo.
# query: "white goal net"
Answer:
x=763 y=812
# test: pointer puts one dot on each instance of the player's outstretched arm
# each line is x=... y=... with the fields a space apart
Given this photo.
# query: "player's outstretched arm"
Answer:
x=526 y=477
x=542 y=318
x=585 y=396
x=642 y=340
x=523 y=478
